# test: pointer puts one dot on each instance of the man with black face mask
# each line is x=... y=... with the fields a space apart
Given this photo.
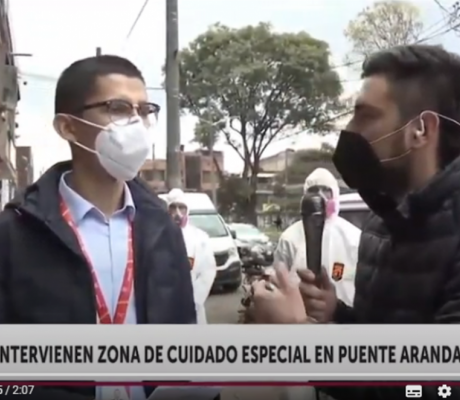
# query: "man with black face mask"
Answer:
x=401 y=152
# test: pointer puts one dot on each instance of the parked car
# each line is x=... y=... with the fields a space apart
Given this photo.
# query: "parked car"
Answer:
x=353 y=209
x=248 y=236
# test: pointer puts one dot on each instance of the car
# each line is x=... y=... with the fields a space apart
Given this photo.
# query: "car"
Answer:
x=248 y=236
x=353 y=209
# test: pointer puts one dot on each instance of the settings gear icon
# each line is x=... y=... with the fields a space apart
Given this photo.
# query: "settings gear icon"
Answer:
x=444 y=391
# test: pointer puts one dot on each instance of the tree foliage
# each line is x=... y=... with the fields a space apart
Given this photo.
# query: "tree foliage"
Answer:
x=383 y=25
x=233 y=194
x=264 y=84
x=207 y=129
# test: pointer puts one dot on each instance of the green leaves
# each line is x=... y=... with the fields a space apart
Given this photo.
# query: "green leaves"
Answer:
x=264 y=84
x=383 y=25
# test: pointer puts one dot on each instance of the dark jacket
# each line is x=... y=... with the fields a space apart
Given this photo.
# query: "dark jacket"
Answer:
x=409 y=269
x=44 y=278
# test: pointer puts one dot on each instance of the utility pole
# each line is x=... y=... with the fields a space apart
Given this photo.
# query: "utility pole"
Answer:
x=98 y=52
x=173 y=156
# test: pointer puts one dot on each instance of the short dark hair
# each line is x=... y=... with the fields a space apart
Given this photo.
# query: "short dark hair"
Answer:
x=78 y=81
x=423 y=77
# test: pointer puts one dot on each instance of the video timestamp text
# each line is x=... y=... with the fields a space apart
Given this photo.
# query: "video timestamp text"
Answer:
x=16 y=390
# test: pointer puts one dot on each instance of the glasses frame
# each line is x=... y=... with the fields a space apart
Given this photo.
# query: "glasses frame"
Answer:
x=134 y=107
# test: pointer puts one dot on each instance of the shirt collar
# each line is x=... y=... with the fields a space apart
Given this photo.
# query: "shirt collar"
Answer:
x=80 y=207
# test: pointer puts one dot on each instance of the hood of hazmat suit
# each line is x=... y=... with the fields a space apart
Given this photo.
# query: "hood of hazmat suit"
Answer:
x=199 y=251
x=339 y=245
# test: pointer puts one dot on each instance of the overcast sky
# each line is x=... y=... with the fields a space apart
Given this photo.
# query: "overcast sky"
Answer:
x=58 y=32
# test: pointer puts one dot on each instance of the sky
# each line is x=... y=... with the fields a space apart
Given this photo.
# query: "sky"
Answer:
x=57 y=33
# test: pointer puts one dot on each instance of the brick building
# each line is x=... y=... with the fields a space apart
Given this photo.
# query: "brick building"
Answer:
x=9 y=96
x=197 y=168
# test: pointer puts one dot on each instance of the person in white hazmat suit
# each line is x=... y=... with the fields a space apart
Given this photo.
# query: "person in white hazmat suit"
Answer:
x=339 y=253
x=340 y=239
x=199 y=251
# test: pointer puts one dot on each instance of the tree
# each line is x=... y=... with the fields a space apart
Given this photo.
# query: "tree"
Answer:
x=452 y=15
x=233 y=193
x=383 y=25
x=206 y=134
x=207 y=130
x=264 y=84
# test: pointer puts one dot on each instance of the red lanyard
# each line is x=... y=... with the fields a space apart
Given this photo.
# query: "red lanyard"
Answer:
x=126 y=287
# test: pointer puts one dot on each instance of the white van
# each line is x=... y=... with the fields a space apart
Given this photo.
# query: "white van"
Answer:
x=203 y=215
x=353 y=209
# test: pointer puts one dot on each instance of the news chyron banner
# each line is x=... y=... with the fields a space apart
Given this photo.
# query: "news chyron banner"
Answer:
x=230 y=353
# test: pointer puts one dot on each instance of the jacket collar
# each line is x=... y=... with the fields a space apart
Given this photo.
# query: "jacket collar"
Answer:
x=441 y=187
x=41 y=201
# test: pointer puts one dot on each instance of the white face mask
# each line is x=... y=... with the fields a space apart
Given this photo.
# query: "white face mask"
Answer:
x=121 y=148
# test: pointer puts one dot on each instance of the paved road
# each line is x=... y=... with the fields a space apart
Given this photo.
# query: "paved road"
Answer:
x=222 y=309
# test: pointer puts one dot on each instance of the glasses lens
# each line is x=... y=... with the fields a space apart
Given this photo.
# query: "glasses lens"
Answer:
x=120 y=111
x=150 y=111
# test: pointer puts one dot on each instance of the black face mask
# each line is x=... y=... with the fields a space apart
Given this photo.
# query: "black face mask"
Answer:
x=357 y=163
x=361 y=169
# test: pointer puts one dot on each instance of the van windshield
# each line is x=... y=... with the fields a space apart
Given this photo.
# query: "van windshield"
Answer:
x=212 y=224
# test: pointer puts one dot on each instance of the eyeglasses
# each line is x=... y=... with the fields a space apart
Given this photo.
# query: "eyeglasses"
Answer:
x=122 y=111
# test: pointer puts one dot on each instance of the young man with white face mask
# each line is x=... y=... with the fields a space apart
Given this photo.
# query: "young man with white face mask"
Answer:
x=88 y=243
x=199 y=251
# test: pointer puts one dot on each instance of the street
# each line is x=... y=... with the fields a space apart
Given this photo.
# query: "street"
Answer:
x=222 y=308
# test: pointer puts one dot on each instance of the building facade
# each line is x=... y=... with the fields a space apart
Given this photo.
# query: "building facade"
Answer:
x=277 y=162
x=24 y=167
x=198 y=169
x=9 y=97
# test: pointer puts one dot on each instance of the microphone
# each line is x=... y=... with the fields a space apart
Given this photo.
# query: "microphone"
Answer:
x=313 y=211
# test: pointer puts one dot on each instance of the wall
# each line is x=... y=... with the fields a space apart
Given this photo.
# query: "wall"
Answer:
x=196 y=171
x=277 y=162
x=9 y=96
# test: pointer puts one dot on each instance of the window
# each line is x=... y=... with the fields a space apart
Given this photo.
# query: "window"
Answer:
x=356 y=217
x=212 y=224
x=148 y=174
x=245 y=229
x=206 y=177
x=159 y=175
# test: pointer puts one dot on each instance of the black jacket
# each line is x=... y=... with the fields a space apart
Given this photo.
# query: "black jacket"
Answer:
x=44 y=277
x=409 y=269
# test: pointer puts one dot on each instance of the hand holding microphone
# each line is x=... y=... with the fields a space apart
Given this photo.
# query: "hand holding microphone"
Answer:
x=317 y=290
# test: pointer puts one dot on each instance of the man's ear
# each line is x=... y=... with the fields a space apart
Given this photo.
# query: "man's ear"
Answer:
x=64 y=127
x=428 y=130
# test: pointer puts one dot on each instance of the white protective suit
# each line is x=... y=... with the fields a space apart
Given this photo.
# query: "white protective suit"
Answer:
x=340 y=242
x=200 y=254
x=339 y=255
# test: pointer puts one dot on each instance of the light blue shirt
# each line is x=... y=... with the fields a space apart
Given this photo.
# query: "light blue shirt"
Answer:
x=106 y=243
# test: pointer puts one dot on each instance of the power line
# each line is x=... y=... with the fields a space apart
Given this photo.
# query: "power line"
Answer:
x=442 y=28
x=441 y=6
x=136 y=20
x=426 y=31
